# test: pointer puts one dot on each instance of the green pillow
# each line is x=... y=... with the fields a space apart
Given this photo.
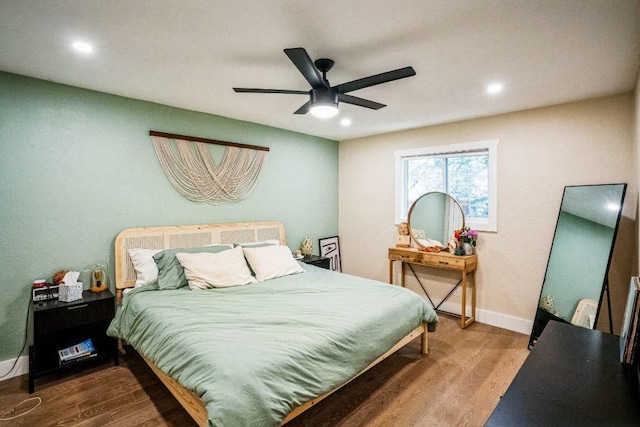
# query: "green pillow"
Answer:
x=170 y=271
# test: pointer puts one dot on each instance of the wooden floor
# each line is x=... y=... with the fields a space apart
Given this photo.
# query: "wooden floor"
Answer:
x=457 y=384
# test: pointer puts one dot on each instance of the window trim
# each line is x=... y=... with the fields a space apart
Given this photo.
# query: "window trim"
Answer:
x=491 y=145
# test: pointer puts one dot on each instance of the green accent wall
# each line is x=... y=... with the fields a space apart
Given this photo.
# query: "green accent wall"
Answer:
x=78 y=166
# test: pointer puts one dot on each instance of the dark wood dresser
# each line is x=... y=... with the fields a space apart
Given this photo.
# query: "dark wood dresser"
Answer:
x=573 y=377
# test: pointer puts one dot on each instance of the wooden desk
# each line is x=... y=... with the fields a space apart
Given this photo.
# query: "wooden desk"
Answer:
x=443 y=260
x=573 y=377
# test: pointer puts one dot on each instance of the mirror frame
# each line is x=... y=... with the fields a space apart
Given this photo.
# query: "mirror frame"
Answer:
x=413 y=206
x=542 y=316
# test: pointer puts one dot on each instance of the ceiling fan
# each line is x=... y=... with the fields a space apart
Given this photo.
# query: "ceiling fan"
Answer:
x=324 y=98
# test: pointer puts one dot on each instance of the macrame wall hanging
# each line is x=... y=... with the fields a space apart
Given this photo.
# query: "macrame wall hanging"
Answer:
x=187 y=163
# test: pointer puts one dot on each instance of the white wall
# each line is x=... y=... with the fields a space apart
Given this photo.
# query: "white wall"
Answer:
x=540 y=151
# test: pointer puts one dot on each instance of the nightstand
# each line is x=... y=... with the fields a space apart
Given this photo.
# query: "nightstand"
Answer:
x=58 y=325
x=318 y=261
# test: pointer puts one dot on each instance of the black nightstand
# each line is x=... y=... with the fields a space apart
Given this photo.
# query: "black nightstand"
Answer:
x=318 y=261
x=58 y=325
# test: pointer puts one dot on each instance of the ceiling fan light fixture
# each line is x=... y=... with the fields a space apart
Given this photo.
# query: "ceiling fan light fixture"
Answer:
x=324 y=103
x=324 y=111
x=324 y=98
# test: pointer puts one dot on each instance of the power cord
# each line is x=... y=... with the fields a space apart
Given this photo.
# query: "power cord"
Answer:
x=15 y=362
x=13 y=411
x=24 y=344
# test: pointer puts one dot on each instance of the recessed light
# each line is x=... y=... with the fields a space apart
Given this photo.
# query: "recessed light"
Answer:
x=345 y=122
x=494 y=88
x=82 y=47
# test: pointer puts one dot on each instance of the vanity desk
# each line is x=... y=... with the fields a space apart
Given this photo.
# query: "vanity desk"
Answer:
x=465 y=264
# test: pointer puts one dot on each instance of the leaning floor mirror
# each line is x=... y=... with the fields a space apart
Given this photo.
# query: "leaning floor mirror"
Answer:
x=575 y=281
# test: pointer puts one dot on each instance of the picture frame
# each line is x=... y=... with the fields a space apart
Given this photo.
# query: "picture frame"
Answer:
x=330 y=248
x=630 y=333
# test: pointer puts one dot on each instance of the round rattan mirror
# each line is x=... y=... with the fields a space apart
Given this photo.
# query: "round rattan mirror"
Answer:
x=433 y=218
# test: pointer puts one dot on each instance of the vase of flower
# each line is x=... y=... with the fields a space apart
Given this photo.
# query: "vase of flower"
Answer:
x=468 y=248
x=467 y=238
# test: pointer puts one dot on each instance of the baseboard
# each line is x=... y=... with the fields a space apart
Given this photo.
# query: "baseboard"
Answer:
x=503 y=321
x=21 y=368
x=491 y=318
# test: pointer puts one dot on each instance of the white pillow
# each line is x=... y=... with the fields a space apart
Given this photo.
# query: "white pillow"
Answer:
x=205 y=270
x=145 y=266
x=269 y=262
x=259 y=244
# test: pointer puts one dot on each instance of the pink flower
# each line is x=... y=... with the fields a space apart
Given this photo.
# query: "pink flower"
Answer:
x=467 y=235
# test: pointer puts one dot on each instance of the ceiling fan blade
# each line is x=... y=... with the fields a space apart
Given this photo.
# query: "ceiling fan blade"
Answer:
x=377 y=79
x=248 y=90
x=304 y=109
x=301 y=59
x=361 y=102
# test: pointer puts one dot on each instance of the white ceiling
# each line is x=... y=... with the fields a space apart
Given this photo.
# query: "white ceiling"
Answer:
x=190 y=53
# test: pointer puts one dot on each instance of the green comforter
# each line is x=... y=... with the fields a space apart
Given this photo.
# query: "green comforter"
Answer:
x=254 y=353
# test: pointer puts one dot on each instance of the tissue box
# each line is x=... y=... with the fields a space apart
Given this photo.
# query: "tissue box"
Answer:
x=68 y=292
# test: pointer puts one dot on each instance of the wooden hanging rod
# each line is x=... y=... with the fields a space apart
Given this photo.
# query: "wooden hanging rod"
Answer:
x=207 y=141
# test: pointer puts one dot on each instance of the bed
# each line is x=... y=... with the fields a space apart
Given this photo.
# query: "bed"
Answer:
x=262 y=353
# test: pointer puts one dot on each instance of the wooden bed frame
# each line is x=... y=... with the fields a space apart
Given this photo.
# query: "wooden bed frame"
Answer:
x=206 y=234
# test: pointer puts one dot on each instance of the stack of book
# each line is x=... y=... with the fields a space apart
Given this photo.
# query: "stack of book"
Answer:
x=630 y=334
x=75 y=353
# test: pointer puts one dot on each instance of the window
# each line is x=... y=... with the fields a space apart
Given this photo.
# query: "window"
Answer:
x=465 y=171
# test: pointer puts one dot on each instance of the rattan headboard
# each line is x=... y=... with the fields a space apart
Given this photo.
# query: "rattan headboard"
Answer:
x=185 y=236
